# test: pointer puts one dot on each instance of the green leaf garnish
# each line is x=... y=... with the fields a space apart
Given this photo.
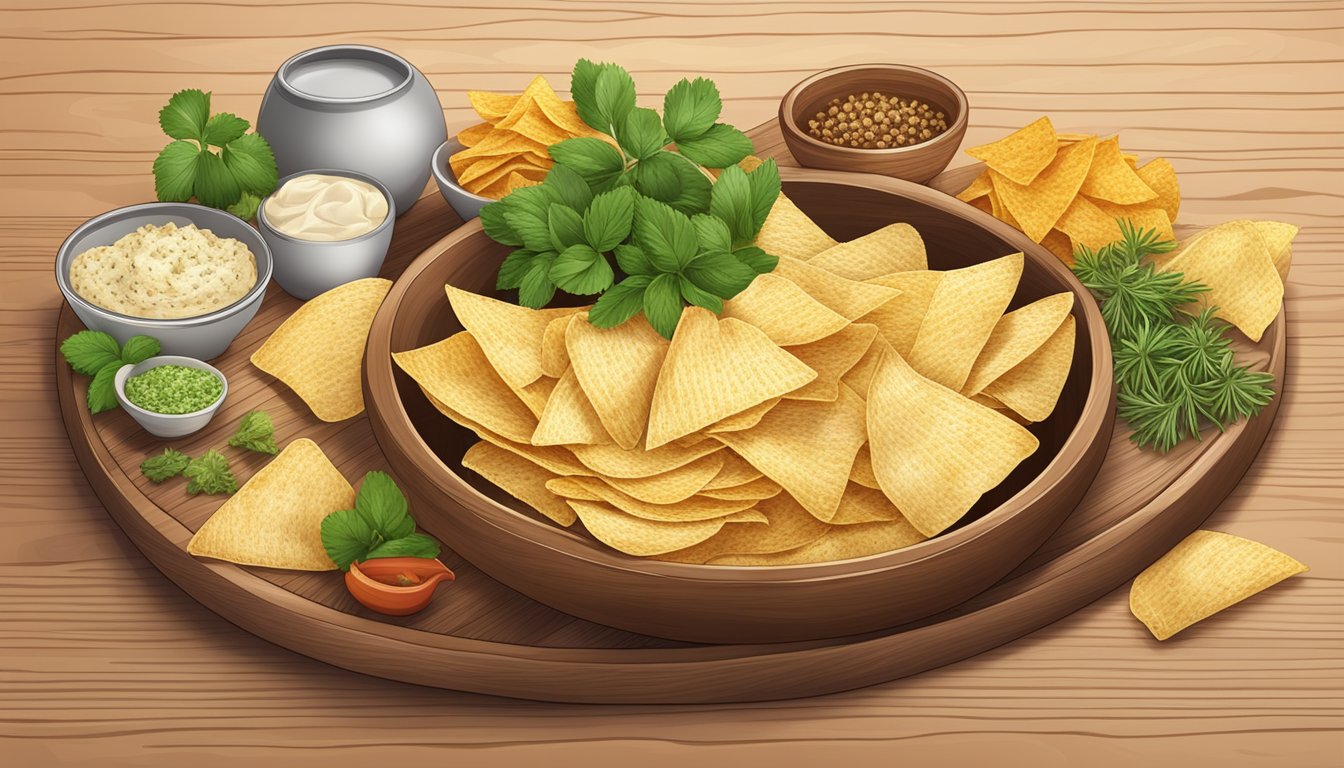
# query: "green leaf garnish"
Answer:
x=175 y=171
x=580 y=270
x=641 y=134
x=662 y=303
x=234 y=180
x=89 y=351
x=168 y=464
x=256 y=432
x=210 y=474
x=690 y=108
x=224 y=127
x=379 y=526
x=138 y=349
x=719 y=147
x=414 y=545
x=186 y=114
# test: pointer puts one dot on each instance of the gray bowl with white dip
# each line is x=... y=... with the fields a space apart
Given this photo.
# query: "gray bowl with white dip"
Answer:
x=203 y=336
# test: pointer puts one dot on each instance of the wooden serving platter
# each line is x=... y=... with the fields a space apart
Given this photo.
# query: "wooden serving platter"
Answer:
x=480 y=636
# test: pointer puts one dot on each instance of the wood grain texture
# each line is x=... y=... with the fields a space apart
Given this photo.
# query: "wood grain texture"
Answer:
x=102 y=657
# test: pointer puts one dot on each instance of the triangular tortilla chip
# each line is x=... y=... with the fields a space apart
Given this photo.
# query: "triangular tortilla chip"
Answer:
x=1278 y=238
x=492 y=107
x=1059 y=244
x=785 y=312
x=735 y=471
x=613 y=461
x=841 y=542
x=789 y=232
x=893 y=248
x=1022 y=154
x=456 y=373
x=788 y=526
x=569 y=418
x=978 y=188
x=862 y=504
x=519 y=478
x=637 y=536
x=745 y=419
x=898 y=320
x=275 y=519
x=851 y=299
x=473 y=134
x=1036 y=207
x=509 y=334
x=862 y=471
x=1015 y=336
x=1141 y=215
x=673 y=485
x=1111 y=178
x=832 y=357
x=1088 y=225
x=1159 y=176
x=319 y=350
x=759 y=489
x=687 y=510
x=1233 y=260
x=965 y=307
x=618 y=369
x=554 y=354
x=1031 y=388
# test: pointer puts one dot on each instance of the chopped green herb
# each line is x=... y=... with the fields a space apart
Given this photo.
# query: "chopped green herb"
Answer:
x=168 y=464
x=174 y=389
x=378 y=526
x=255 y=433
x=210 y=474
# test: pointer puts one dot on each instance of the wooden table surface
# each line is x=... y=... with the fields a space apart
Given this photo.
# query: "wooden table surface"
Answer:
x=102 y=659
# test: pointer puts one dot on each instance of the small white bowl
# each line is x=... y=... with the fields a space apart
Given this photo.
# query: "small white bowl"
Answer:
x=168 y=424
x=467 y=205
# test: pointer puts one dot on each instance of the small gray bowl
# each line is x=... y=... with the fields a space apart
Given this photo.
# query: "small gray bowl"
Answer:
x=168 y=424
x=306 y=268
x=204 y=337
x=467 y=205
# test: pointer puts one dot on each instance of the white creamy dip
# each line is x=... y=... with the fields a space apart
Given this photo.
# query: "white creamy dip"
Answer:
x=326 y=208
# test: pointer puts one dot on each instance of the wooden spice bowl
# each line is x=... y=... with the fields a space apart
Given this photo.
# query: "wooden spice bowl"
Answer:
x=569 y=570
x=918 y=162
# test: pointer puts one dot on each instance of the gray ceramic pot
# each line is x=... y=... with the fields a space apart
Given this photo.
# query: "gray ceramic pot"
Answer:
x=203 y=337
x=354 y=107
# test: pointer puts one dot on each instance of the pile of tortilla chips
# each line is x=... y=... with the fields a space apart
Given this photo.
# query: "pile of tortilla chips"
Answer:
x=849 y=403
x=1069 y=189
x=508 y=150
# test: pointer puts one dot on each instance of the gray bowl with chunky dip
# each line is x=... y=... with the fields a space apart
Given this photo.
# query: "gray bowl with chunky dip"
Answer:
x=203 y=336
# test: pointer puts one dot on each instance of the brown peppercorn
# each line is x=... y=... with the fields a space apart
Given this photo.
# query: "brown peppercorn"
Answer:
x=875 y=120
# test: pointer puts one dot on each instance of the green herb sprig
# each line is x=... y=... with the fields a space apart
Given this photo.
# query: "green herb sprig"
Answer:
x=676 y=237
x=378 y=526
x=97 y=354
x=235 y=179
x=1175 y=370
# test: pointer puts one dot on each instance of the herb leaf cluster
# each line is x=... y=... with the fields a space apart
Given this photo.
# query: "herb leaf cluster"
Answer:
x=1174 y=369
x=676 y=238
x=97 y=354
x=235 y=179
x=380 y=525
x=210 y=473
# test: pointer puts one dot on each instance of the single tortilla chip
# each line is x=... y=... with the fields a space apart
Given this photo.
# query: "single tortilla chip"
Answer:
x=537 y=394
x=673 y=485
x=1111 y=178
x=275 y=519
x=1017 y=334
x=862 y=504
x=716 y=368
x=934 y=452
x=520 y=478
x=456 y=373
x=898 y=320
x=689 y=509
x=638 y=536
x=613 y=461
x=319 y=350
x=893 y=248
x=832 y=357
x=841 y=542
x=618 y=370
x=474 y=134
x=735 y=471
x=1159 y=176
x=1036 y=207
x=1233 y=260
x=807 y=447
x=858 y=377
x=978 y=188
x=1142 y=215
x=851 y=299
x=862 y=471
x=1088 y=225
x=1278 y=237
x=509 y=334
x=759 y=489
x=554 y=352
x=1059 y=244
x=1204 y=574
x=788 y=526
x=784 y=311
x=569 y=418
x=1031 y=388
x=744 y=420
x=1021 y=155
x=529 y=115
x=491 y=106
x=788 y=231
x=965 y=307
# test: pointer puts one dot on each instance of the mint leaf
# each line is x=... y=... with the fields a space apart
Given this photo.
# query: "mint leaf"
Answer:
x=246 y=207
x=175 y=171
x=720 y=273
x=535 y=201
x=224 y=127
x=534 y=230
x=536 y=288
x=608 y=219
x=719 y=147
x=760 y=261
x=595 y=160
x=383 y=506
x=215 y=186
x=568 y=187
x=764 y=183
x=641 y=133
x=347 y=537
x=662 y=304
x=414 y=545
x=168 y=464
x=514 y=267
x=252 y=164
x=665 y=235
x=89 y=351
x=712 y=233
x=582 y=84
x=495 y=225
x=731 y=201
x=620 y=303
x=633 y=261
x=138 y=349
x=102 y=395
x=255 y=432
x=690 y=108
x=565 y=226
x=674 y=180
x=210 y=474
x=581 y=270
x=614 y=95
x=186 y=114
x=693 y=294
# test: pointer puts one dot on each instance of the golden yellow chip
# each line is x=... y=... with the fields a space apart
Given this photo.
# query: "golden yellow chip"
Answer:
x=492 y=107
x=965 y=307
x=456 y=373
x=893 y=248
x=501 y=144
x=898 y=320
x=674 y=485
x=979 y=187
x=554 y=354
x=735 y=471
x=841 y=542
x=851 y=299
x=1017 y=334
x=785 y=312
x=1233 y=260
x=1111 y=178
x=618 y=370
x=789 y=232
x=319 y=350
x=759 y=489
x=509 y=334
x=743 y=420
x=1160 y=177
x=1088 y=225
x=638 y=536
x=531 y=114
x=518 y=477
x=999 y=210
x=536 y=394
x=1036 y=207
x=479 y=173
x=1021 y=155
x=1031 y=388
x=857 y=378
x=1278 y=238
x=613 y=461
x=1204 y=574
x=807 y=447
x=934 y=452
x=275 y=519
x=474 y=134
x=689 y=509
x=862 y=470
x=862 y=504
x=569 y=418
x=716 y=368
x=788 y=526
x=525 y=175
x=832 y=357
x=1059 y=244
x=983 y=202
x=1141 y=215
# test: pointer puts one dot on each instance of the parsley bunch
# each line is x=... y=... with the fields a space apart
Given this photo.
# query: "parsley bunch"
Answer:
x=209 y=472
x=97 y=354
x=1174 y=369
x=676 y=237
x=235 y=179
x=378 y=526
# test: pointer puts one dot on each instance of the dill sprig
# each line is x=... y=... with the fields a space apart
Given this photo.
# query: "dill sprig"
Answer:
x=1174 y=370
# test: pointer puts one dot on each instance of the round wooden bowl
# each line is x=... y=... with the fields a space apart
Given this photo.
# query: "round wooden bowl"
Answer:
x=569 y=570
x=918 y=163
